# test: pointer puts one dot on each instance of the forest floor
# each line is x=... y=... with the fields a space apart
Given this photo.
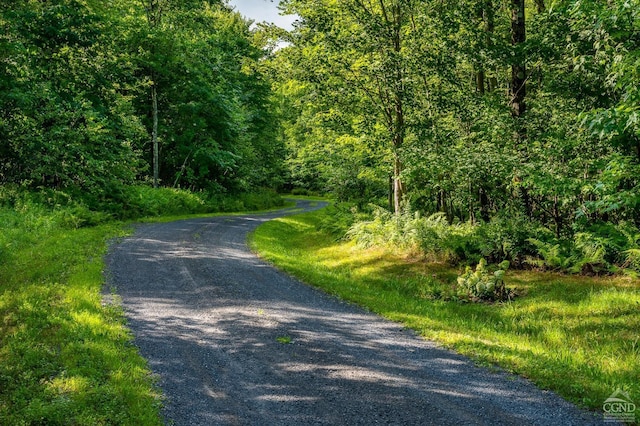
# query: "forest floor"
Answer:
x=234 y=341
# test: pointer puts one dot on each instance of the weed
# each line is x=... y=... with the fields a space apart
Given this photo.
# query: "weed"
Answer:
x=285 y=340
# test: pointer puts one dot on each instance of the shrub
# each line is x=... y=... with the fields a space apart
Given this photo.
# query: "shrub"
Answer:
x=300 y=191
x=261 y=200
x=484 y=285
x=507 y=238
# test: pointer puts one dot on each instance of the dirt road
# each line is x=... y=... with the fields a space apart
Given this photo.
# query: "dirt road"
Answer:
x=236 y=342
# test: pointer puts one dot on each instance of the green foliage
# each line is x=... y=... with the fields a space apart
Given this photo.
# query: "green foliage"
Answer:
x=602 y=248
x=67 y=116
x=141 y=201
x=534 y=188
x=339 y=219
x=553 y=255
x=435 y=238
x=249 y=201
x=74 y=101
x=484 y=285
x=598 y=249
x=216 y=125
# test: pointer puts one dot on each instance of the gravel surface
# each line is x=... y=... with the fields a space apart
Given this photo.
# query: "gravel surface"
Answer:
x=234 y=341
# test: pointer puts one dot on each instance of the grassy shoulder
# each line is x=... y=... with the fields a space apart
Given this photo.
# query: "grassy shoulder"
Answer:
x=66 y=357
x=574 y=335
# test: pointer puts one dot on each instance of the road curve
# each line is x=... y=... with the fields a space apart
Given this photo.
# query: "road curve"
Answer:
x=236 y=342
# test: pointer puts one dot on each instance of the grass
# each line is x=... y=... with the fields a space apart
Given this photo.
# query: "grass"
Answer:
x=577 y=336
x=65 y=358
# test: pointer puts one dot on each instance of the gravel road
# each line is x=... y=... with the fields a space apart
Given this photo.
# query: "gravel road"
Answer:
x=235 y=342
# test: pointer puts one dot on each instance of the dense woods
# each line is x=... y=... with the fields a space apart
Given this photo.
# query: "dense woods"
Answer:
x=97 y=95
x=504 y=130
x=515 y=122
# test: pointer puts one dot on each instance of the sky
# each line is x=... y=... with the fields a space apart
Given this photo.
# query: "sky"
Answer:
x=263 y=10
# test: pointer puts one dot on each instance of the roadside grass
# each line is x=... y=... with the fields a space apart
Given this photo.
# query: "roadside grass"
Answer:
x=64 y=357
x=577 y=336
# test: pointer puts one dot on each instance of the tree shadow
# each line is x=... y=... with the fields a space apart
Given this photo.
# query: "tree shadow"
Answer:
x=234 y=341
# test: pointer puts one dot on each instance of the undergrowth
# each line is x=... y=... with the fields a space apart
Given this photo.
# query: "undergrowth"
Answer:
x=596 y=249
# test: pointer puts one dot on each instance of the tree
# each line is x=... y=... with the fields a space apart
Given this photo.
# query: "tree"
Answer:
x=67 y=118
x=154 y=10
x=365 y=47
x=518 y=67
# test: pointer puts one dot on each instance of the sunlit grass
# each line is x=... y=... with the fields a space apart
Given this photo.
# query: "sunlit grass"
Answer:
x=575 y=335
x=64 y=357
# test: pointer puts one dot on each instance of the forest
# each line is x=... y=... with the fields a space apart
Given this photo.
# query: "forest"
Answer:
x=100 y=95
x=504 y=130
x=469 y=129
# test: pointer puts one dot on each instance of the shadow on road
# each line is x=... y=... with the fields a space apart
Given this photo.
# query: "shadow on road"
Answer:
x=234 y=341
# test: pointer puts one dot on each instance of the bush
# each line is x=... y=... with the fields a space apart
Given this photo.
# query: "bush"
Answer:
x=141 y=201
x=262 y=200
x=484 y=285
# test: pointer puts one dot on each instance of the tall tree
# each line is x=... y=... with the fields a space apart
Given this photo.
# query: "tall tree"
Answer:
x=154 y=10
x=366 y=47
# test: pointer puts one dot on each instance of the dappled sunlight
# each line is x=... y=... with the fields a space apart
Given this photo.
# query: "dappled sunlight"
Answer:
x=234 y=340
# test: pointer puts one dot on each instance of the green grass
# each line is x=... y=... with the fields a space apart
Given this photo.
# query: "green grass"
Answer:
x=577 y=336
x=64 y=357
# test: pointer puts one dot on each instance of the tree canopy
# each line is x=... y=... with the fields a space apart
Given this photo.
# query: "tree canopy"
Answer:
x=76 y=98
x=485 y=111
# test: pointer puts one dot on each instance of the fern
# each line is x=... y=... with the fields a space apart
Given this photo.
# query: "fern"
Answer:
x=552 y=256
x=632 y=259
x=590 y=253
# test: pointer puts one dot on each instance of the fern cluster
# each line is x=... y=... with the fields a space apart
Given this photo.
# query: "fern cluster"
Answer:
x=436 y=239
x=598 y=249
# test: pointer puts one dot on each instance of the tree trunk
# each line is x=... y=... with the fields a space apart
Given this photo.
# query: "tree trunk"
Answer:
x=519 y=87
x=154 y=135
x=480 y=77
x=484 y=206
x=398 y=186
x=518 y=68
x=399 y=119
x=154 y=9
x=486 y=15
